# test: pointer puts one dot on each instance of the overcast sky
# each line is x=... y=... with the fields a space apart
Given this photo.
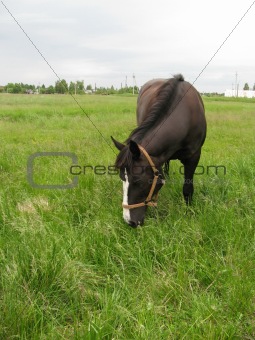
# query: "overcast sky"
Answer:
x=102 y=42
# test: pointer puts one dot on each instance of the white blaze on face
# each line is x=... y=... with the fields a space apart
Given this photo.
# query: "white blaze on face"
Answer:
x=126 y=212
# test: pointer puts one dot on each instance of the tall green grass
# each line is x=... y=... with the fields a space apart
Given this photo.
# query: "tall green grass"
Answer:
x=72 y=269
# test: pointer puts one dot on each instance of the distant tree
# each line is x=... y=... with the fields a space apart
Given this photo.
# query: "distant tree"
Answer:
x=80 y=86
x=102 y=90
x=50 y=90
x=89 y=88
x=76 y=87
x=17 y=88
x=41 y=89
x=112 y=90
x=246 y=87
x=9 y=88
x=58 y=87
x=253 y=87
x=61 y=86
x=129 y=90
x=72 y=87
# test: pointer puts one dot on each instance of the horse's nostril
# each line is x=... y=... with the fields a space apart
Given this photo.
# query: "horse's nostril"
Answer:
x=141 y=222
x=132 y=224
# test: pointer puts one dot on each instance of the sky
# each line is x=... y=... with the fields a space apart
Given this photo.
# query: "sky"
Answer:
x=106 y=42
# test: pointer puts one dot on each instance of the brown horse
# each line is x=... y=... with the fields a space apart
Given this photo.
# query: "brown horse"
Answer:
x=171 y=125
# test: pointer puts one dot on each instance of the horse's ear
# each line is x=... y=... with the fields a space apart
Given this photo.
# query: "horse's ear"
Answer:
x=134 y=148
x=118 y=145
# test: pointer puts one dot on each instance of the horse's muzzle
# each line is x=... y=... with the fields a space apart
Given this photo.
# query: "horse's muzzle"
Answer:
x=135 y=224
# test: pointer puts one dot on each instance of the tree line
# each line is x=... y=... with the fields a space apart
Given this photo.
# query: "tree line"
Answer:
x=62 y=87
x=247 y=87
x=78 y=87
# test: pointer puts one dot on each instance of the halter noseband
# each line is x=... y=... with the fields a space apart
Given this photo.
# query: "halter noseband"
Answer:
x=151 y=198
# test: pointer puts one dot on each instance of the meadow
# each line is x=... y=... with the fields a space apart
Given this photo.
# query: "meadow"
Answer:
x=72 y=269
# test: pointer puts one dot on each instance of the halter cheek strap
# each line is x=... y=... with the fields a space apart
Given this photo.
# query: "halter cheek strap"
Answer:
x=151 y=198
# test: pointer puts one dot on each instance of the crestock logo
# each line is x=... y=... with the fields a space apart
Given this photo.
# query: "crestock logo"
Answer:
x=75 y=170
x=100 y=170
x=207 y=170
x=31 y=170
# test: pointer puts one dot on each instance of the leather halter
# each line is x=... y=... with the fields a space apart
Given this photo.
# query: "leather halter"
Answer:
x=151 y=198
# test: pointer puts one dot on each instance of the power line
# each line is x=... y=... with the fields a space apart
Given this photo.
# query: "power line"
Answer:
x=207 y=64
x=52 y=69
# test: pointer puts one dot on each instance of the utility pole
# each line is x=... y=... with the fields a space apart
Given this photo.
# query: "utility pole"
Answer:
x=134 y=85
x=236 y=89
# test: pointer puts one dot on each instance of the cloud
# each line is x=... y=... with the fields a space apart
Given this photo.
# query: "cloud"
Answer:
x=103 y=41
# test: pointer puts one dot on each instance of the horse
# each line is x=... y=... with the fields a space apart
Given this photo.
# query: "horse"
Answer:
x=171 y=125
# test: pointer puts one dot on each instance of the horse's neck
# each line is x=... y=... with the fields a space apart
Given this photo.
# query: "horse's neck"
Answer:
x=155 y=150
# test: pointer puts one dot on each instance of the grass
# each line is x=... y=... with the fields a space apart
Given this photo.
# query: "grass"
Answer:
x=71 y=269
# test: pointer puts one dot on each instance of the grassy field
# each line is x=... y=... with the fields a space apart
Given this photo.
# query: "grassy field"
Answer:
x=72 y=269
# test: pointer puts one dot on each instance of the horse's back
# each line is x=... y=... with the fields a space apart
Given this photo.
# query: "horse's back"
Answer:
x=186 y=95
x=186 y=125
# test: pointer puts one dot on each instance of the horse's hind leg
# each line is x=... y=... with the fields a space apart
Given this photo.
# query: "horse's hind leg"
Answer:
x=189 y=170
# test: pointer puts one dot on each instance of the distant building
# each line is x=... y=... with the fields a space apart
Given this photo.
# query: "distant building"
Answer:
x=88 y=91
x=29 y=91
x=240 y=93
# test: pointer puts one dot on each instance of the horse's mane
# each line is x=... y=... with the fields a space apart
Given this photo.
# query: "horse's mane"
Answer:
x=163 y=100
x=164 y=97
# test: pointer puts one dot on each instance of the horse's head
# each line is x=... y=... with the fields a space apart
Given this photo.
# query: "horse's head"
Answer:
x=141 y=181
